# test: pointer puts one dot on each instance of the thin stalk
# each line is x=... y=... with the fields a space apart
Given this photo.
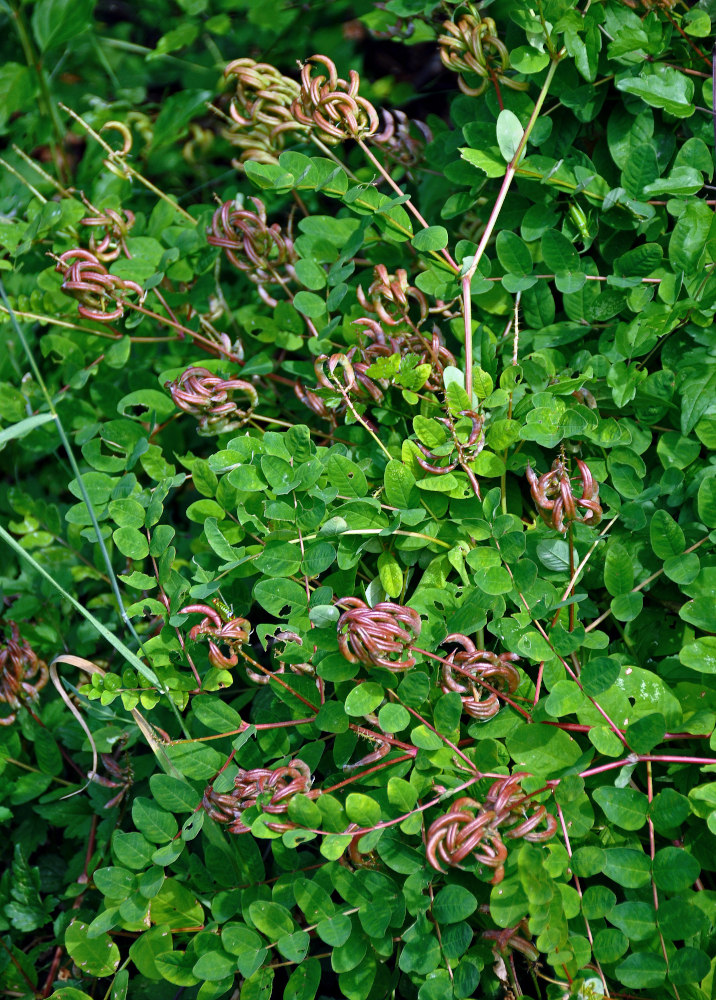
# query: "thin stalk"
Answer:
x=408 y=204
x=35 y=62
x=93 y=516
x=359 y=418
x=496 y=208
x=640 y=586
x=16 y=173
x=118 y=159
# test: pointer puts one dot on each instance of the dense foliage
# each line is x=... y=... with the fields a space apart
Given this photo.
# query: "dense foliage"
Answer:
x=359 y=504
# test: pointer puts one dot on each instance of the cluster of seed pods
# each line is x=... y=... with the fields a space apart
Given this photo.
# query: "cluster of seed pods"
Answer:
x=100 y=294
x=475 y=666
x=226 y=630
x=210 y=398
x=276 y=789
x=331 y=107
x=263 y=253
x=380 y=636
x=555 y=499
x=472 y=46
x=474 y=830
x=22 y=674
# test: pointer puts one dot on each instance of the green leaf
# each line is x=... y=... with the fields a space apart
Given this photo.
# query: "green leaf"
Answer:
x=559 y=253
x=156 y=825
x=618 y=570
x=543 y=750
x=310 y=304
x=304 y=981
x=346 y=476
x=271 y=919
x=131 y=543
x=627 y=867
x=700 y=655
x=433 y=238
x=706 y=501
x=636 y=920
x=642 y=970
x=215 y=714
x=55 y=22
x=675 y=869
x=391 y=574
x=364 y=698
x=700 y=612
x=453 y=903
x=509 y=134
x=667 y=538
x=626 y=807
x=689 y=236
x=117 y=883
x=662 y=87
x=400 y=486
x=513 y=253
x=97 y=956
x=363 y=810
x=489 y=160
x=25 y=426
x=598 y=675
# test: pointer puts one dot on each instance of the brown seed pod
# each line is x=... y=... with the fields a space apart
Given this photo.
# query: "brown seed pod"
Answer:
x=380 y=636
x=389 y=294
x=211 y=398
x=282 y=784
x=232 y=632
x=472 y=46
x=19 y=666
x=88 y=280
x=260 y=110
x=429 y=350
x=403 y=139
x=471 y=829
x=481 y=665
x=466 y=830
x=331 y=107
x=112 y=242
x=261 y=252
x=517 y=814
x=555 y=499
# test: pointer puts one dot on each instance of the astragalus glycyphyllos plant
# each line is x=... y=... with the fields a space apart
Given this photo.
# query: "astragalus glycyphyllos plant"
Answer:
x=360 y=497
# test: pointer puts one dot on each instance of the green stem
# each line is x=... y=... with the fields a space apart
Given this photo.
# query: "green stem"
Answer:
x=149 y=674
x=496 y=208
x=34 y=62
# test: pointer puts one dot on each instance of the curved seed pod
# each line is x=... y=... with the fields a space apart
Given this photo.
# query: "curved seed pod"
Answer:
x=232 y=633
x=467 y=831
x=472 y=46
x=498 y=671
x=389 y=294
x=553 y=492
x=399 y=138
x=116 y=228
x=331 y=107
x=318 y=405
x=88 y=280
x=211 y=398
x=260 y=109
x=509 y=940
x=517 y=813
x=282 y=784
x=429 y=350
x=261 y=252
x=380 y=636
x=19 y=666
